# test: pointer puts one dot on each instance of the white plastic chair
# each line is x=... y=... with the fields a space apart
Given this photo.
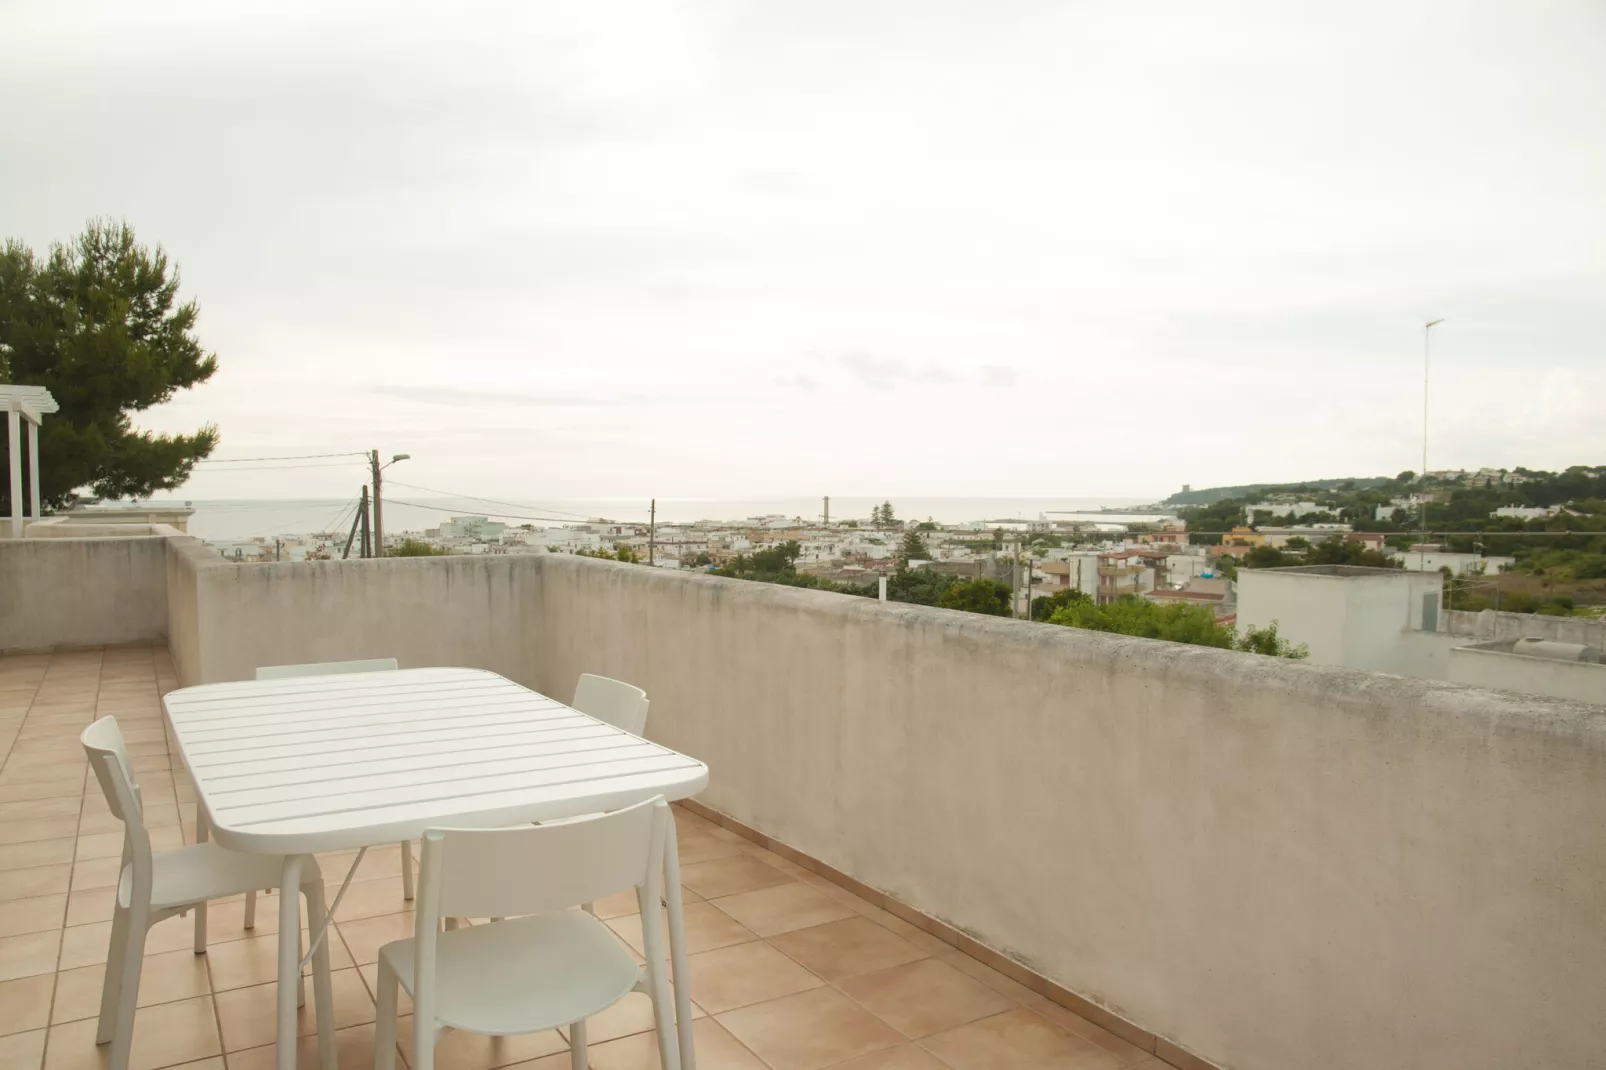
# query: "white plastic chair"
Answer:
x=557 y=966
x=330 y=668
x=155 y=885
x=613 y=701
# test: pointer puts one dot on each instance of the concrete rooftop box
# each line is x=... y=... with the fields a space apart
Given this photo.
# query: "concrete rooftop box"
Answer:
x=1346 y=614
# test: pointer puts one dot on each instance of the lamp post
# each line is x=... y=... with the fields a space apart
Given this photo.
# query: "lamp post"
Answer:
x=379 y=521
x=1427 y=338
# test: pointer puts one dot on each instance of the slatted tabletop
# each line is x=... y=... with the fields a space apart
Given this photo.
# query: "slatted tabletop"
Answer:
x=320 y=763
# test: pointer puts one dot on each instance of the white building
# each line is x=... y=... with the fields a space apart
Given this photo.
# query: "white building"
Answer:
x=1432 y=559
x=1388 y=620
x=474 y=528
x=1524 y=512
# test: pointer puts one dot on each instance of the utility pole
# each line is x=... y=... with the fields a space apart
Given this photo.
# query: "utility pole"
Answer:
x=827 y=510
x=366 y=544
x=276 y=556
x=652 y=532
x=379 y=521
x=355 y=517
x=1427 y=337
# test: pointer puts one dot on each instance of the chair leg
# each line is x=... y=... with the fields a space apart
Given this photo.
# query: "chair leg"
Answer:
x=250 y=910
x=385 y=1018
x=203 y=832
x=657 y=982
x=577 y=1045
x=129 y=964
x=117 y=949
x=407 y=869
x=424 y=1037
x=322 y=992
x=301 y=978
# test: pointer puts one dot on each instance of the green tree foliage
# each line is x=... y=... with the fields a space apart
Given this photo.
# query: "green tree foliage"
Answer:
x=97 y=322
x=882 y=516
x=917 y=586
x=620 y=552
x=977 y=596
x=1334 y=550
x=1045 y=606
x=1267 y=641
x=1195 y=625
x=913 y=548
x=414 y=548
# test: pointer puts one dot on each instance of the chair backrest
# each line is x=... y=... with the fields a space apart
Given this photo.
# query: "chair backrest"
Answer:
x=531 y=869
x=108 y=757
x=324 y=668
x=613 y=701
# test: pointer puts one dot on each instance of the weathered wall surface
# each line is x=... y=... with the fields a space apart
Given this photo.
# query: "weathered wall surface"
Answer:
x=1275 y=864
x=82 y=592
x=1491 y=625
x=1583 y=681
x=478 y=612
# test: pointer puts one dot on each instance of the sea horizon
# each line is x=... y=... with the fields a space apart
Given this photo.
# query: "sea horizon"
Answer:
x=247 y=518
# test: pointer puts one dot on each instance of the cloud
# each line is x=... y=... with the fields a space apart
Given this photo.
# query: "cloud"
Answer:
x=458 y=397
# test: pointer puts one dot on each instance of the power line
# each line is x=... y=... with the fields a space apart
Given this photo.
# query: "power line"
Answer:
x=275 y=467
x=293 y=457
x=517 y=516
x=491 y=501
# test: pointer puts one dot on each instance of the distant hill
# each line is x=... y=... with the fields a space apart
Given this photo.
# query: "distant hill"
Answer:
x=1211 y=495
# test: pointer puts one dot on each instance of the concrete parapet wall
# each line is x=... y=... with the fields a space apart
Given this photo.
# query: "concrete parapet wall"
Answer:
x=65 y=592
x=1489 y=624
x=1275 y=864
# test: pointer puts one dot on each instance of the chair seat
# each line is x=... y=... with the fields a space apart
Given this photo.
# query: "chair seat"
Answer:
x=205 y=871
x=523 y=975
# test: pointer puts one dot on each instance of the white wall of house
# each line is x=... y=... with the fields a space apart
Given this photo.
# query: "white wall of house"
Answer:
x=1493 y=665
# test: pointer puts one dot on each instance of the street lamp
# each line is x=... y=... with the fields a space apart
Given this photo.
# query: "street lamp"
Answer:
x=379 y=522
x=1427 y=337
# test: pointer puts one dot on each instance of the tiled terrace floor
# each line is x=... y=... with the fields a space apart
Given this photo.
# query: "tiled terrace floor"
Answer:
x=788 y=970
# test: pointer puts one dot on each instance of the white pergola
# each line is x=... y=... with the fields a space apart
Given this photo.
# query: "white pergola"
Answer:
x=24 y=404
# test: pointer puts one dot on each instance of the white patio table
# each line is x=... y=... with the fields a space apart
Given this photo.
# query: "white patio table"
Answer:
x=329 y=763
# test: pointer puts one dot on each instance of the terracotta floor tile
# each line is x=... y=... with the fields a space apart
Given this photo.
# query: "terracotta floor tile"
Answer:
x=248 y=1014
x=255 y=960
x=64 y=787
x=706 y=928
x=169 y=976
x=41 y=912
x=354 y=1050
x=735 y=976
x=728 y=876
x=25 y=956
x=29 y=809
x=457 y=1050
x=370 y=899
x=903 y=1057
x=25 y=1004
x=39 y=880
x=96 y=873
x=629 y=1016
x=844 y=948
x=23 y=1051
x=38 y=828
x=169 y=1034
x=365 y=936
x=1017 y=1040
x=36 y=853
x=1072 y=1022
x=91 y=905
x=987 y=975
x=716 y=1050
x=924 y=997
x=809 y=1030
x=782 y=908
x=697 y=847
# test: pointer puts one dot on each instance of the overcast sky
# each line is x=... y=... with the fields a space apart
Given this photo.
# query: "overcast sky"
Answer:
x=787 y=248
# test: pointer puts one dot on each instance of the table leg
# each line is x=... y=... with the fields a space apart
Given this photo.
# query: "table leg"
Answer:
x=677 y=948
x=289 y=960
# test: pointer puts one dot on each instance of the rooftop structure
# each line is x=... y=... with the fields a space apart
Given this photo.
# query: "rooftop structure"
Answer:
x=930 y=838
